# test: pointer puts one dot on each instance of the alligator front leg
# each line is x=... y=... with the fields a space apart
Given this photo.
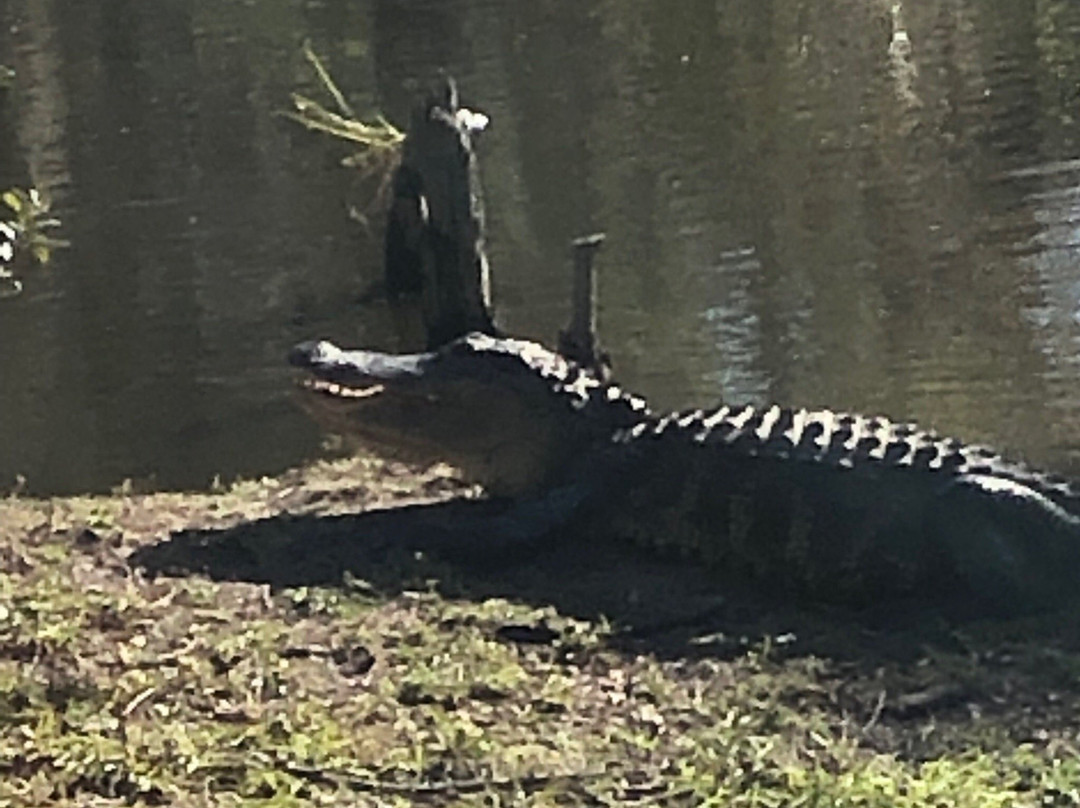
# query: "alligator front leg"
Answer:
x=495 y=530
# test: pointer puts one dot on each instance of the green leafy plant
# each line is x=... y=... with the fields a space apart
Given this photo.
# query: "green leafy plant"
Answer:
x=379 y=140
x=24 y=234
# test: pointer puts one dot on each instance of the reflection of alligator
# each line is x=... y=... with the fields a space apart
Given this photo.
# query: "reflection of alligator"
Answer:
x=834 y=506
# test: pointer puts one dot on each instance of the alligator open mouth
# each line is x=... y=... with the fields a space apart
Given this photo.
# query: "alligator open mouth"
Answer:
x=335 y=374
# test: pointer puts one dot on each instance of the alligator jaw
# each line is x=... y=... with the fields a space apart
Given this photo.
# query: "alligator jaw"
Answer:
x=494 y=409
x=354 y=373
x=355 y=392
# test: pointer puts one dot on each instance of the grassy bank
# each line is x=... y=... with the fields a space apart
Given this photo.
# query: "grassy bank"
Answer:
x=270 y=644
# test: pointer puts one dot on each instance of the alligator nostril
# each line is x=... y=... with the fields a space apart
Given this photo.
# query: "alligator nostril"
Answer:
x=301 y=355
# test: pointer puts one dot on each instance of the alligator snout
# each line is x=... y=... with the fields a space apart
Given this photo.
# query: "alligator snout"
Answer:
x=313 y=353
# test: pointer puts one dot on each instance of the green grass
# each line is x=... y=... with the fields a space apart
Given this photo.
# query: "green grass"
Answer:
x=118 y=688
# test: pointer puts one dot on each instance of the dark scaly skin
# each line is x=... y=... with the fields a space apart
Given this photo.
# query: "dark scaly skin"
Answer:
x=848 y=508
x=834 y=506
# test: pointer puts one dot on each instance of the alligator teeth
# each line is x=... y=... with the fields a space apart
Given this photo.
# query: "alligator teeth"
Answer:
x=358 y=392
x=340 y=391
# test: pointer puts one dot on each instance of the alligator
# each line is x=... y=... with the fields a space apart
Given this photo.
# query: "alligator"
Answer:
x=830 y=506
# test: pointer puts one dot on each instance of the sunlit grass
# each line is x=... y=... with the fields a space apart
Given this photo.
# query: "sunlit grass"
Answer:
x=116 y=688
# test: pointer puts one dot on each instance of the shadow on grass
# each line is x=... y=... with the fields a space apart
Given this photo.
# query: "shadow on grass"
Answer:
x=664 y=606
x=895 y=667
x=449 y=544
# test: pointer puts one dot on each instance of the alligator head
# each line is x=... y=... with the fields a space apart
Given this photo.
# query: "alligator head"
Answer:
x=508 y=413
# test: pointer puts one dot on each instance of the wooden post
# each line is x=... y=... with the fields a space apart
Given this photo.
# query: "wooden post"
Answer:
x=579 y=341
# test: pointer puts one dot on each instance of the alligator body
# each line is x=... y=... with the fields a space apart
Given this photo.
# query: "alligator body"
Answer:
x=833 y=506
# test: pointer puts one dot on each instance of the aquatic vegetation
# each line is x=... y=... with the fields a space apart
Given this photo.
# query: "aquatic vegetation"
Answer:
x=379 y=140
x=24 y=234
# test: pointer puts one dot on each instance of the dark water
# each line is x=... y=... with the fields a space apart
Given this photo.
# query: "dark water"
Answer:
x=851 y=203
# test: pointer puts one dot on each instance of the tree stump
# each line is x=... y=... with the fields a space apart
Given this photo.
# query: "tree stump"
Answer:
x=434 y=245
